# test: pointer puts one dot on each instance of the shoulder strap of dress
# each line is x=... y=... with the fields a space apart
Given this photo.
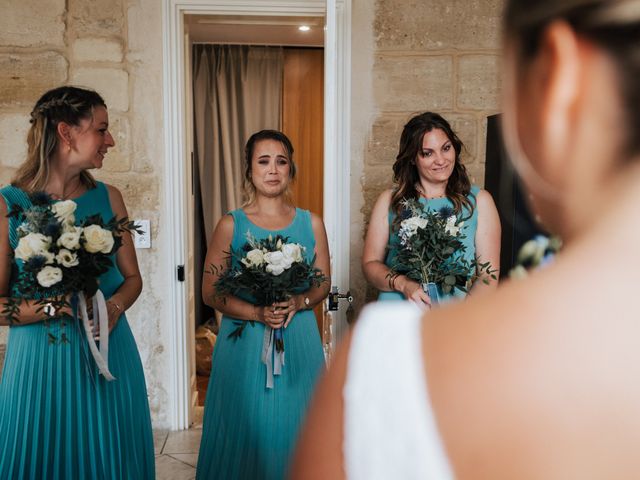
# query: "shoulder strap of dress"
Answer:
x=14 y=196
x=389 y=427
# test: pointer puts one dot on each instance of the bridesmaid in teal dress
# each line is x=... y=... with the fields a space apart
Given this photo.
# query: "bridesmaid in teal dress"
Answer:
x=59 y=418
x=249 y=429
x=428 y=168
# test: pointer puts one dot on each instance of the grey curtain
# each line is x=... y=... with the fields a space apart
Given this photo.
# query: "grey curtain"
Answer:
x=237 y=91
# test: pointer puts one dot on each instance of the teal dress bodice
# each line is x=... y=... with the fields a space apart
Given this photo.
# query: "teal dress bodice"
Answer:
x=59 y=418
x=249 y=431
x=469 y=230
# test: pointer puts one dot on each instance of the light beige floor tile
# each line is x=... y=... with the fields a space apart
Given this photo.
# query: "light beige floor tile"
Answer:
x=159 y=439
x=168 y=468
x=187 y=441
x=188 y=458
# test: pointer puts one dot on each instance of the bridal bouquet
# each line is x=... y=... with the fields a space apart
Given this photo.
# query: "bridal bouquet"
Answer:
x=271 y=270
x=432 y=251
x=62 y=261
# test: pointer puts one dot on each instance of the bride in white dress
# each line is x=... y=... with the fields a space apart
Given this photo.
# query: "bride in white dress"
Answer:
x=540 y=379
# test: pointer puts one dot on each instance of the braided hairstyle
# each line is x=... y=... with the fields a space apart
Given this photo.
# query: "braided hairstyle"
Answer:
x=63 y=104
x=613 y=25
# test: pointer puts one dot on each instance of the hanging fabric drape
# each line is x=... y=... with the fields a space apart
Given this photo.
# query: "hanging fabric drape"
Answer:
x=237 y=91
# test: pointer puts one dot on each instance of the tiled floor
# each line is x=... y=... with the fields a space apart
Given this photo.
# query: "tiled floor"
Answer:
x=177 y=452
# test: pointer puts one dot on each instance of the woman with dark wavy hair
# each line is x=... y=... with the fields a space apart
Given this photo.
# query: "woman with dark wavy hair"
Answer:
x=428 y=168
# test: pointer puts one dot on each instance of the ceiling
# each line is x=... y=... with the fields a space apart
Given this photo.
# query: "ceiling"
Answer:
x=255 y=30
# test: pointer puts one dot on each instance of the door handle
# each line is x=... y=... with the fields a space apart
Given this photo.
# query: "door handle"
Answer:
x=335 y=296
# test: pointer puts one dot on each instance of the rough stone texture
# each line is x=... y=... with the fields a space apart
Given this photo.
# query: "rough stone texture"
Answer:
x=6 y=174
x=13 y=138
x=383 y=145
x=25 y=76
x=32 y=23
x=437 y=24
x=97 y=50
x=111 y=83
x=119 y=157
x=478 y=83
x=96 y=17
x=409 y=83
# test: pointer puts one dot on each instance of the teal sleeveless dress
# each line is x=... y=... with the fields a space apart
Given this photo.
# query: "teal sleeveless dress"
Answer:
x=59 y=419
x=249 y=431
x=469 y=230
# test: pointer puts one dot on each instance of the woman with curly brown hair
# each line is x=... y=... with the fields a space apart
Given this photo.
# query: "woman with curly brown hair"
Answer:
x=428 y=169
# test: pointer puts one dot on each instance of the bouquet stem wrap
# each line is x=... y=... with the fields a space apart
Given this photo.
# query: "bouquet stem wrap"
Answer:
x=271 y=357
x=101 y=355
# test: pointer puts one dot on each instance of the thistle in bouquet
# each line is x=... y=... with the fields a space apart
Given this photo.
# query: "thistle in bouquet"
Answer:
x=59 y=257
x=432 y=250
x=271 y=271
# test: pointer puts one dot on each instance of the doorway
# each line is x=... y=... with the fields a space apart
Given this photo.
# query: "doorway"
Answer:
x=335 y=14
x=248 y=74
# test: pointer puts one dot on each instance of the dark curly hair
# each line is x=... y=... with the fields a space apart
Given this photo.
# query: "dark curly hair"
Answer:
x=405 y=173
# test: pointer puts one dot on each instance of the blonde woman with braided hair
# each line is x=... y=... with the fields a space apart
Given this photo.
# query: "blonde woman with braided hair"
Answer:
x=60 y=419
x=541 y=378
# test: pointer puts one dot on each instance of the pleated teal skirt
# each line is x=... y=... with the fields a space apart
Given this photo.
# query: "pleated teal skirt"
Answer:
x=249 y=431
x=59 y=419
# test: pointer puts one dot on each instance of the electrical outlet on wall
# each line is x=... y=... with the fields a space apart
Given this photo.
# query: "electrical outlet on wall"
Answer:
x=142 y=239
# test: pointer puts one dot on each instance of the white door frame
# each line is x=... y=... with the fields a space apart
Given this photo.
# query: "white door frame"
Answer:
x=337 y=121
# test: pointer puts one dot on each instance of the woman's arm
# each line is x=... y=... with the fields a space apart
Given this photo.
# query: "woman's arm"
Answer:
x=318 y=454
x=487 y=240
x=127 y=262
x=230 y=305
x=29 y=312
x=375 y=247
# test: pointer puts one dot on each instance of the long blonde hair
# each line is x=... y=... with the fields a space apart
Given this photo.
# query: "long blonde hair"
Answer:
x=63 y=104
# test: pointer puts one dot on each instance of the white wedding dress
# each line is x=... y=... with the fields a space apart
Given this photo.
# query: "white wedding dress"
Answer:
x=389 y=428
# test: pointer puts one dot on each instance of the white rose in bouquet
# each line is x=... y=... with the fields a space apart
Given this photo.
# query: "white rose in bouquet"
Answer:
x=410 y=226
x=64 y=211
x=451 y=228
x=97 y=239
x=31 y=245
x=49 y=276
x=67 y=259
x=292 y=253
x=254 y=258
x=70 y=239
x=276 y=263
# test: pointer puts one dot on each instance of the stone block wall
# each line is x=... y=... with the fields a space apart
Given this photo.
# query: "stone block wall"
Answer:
x=438 y=55
x=114 y=47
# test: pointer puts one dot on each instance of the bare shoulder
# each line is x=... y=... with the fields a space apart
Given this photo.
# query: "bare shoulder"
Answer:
x=316 y=222
x=318 y=454
x=113 y=191
x=224 y=228
x=484 y=199
x=521 y=363
x=116 y=200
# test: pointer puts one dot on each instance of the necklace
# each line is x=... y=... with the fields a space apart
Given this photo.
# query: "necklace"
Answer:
x=55 y=196
x=423 y=194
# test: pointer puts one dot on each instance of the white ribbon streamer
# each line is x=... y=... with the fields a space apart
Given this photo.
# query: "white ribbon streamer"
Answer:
x=102 y=319
x=273 y=360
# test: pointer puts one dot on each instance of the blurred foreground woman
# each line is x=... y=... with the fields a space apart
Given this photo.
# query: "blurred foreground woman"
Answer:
x=541 y=379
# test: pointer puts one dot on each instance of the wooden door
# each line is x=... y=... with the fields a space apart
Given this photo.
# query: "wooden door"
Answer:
x=302 y=122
